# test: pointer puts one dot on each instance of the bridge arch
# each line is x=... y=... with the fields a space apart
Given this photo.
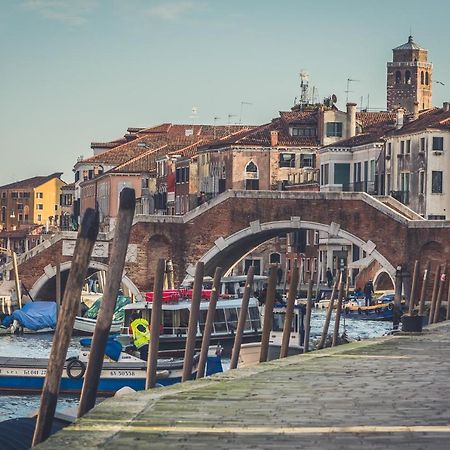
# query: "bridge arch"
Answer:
x=41 y=285
x=226 y=251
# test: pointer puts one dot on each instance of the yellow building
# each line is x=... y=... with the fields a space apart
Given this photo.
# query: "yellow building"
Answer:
x=31 y=201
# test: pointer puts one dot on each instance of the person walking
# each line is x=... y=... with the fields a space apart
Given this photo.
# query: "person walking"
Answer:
x=329 y=276
x=368 y=291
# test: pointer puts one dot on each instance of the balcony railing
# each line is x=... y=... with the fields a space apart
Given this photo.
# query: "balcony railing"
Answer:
x=401 y=196
x=361 y=186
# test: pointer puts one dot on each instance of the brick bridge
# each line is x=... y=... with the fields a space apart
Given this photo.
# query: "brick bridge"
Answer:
x=223 y=230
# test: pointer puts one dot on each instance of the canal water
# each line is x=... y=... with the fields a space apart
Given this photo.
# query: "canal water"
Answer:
x=39 y=346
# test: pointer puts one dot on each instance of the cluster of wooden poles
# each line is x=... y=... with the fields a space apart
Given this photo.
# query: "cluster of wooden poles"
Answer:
x=417 y=303
x=85 y=242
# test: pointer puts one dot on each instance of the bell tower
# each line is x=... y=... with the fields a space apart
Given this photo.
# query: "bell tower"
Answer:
x=409 y=78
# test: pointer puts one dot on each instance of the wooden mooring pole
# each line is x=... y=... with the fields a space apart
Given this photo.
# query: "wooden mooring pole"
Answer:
x=423 y=291
x=268 y=314
x=437 y=308
x=326 y=325
x=193 y=321
x=242 y=318
x=415 y=281
x=308 y=316
x=209 y=323
x=337 y=319
x=152 y=361
x=106 y=312
x=61 y=339
x=447 y=316
x=398 y=297
x=58 y=283
x=434 y=295
x=289 y=311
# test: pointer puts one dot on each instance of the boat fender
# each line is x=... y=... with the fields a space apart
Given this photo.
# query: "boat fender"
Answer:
x=359 y=311
x=390 y=307
x=75 y=369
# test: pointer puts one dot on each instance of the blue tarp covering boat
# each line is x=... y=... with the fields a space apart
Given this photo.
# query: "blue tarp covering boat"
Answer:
x=36 y=315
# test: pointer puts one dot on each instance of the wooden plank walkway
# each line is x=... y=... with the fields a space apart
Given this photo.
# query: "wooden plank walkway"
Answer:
x=388 y=393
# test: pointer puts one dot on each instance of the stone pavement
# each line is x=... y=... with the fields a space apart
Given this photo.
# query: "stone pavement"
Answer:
x=392 y=392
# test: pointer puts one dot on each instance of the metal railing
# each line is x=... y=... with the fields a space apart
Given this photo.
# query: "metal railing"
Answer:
x=361 y=186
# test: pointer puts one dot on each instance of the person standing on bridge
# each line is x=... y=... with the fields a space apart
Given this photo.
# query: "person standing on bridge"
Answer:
x=141 y=335
x=329 y=276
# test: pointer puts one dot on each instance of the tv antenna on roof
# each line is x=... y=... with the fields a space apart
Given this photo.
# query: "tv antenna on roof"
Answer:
x=229 y=117
x=242 y=107
x=349 y=80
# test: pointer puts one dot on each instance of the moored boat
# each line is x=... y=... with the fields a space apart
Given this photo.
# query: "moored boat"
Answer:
x=27 y=375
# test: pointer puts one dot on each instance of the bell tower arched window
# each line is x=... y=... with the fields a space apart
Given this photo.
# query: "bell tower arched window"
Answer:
x=422 y=77
x=251 y=177
x=408 y=77
x=427 y=79
x=398 y=77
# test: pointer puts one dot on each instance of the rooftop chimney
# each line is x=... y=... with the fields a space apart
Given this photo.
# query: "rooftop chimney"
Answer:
x=400 y=115
x=351 y=120
x=416 y=111
x=446 y=106
x=274 y=138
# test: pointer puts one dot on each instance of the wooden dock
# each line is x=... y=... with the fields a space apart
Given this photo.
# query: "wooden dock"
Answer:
x=390 y=392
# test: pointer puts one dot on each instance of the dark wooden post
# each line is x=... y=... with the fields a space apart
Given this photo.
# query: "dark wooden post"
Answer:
x=447 y=316
x=337 y=319
x=434 y=295
x=242 y=318
x=423 y=291
x=106 y=312
x=397 y=298
x=209 y=323
x=268 y=314
x=61 y=340
x=415 y=280
x=437 y=308
x=152 y=361
x=326 y=325
x=193 y=321
x=289 y=314
x=308 y=317
x=58 y=283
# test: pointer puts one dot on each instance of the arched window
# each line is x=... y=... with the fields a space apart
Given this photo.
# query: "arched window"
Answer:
x=398 y=77
x=4 y=214
x=275 y=258
x=422 y=78
x=251 y=177
x=408 y=77
x=427 y=80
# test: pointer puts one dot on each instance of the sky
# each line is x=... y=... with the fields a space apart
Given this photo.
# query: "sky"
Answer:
x=77 y=71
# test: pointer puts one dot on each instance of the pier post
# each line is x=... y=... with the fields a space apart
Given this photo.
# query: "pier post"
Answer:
x=209 y=323
x=193 y=321
x=397 y=297
x=58 y=283
x=61 y=339
x=423 y=291
x=268 y=314
x=326 y=325
x=106 y=312
x=337 y=319
x=242 y=318
x=415 y=279
x=289 y=310
x=308 y=316
x=16 y=280
x=434 y=295
x=447 y=316
x=437 y=308
x=152 y=361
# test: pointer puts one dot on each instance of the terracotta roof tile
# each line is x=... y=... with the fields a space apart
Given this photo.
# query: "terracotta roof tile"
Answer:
x=31 y=183
x=435 y=118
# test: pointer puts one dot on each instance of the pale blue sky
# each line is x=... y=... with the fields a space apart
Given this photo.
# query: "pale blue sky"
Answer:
x=76 y=71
